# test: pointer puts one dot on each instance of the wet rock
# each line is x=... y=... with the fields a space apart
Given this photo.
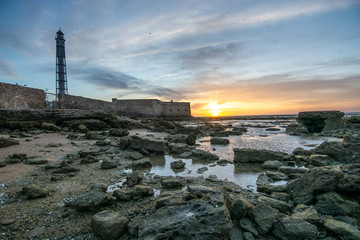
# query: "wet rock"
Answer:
x=248 y=226
x=178 y=148
x=238 y=206
x=321 y=121
x=323 y=179
x=194 y=188
x=276 y=175
x=272 y=165
x=108 y=164
x=82 y=128
x=288 y=170
x=92 y=135
x=332 y=203
x=202 y=170
x=294 y=228
x=236 y=234
x=191 y=139
x=177 y=164
x=343 y=230
x=123 y=142
x=50 y=126
x=36 y=161
x=89 y=201
x=350 y=182
x=177 y=138
x=296 y=129
x=7 y=142
x=134 y=178
x=149 y=145
x=168 y=201
x=32 y=192
x=219 y=141
x=306 y=213
x=118 y=132
x=246 y=155
x=141 y=191
x=264 y=216
x=170 y=183
x=109 y=225
x=283 y=196
x=237 y=131
x=142 y=163
x=185 y=155
x=275 y=203
x=319 y=160
x=133 y=226
x=204 y=155
x=248 y=236
x=272 y=129
x=123 y=194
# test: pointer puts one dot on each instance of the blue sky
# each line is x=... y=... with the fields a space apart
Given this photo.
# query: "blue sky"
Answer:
x=241 y=57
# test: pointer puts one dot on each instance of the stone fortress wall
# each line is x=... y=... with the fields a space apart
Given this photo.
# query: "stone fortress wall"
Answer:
x=24 y=98
x=21 y=98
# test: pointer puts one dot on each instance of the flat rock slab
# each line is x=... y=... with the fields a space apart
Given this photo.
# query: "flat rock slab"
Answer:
x=246 y=155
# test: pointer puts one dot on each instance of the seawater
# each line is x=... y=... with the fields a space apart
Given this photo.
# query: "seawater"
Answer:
x=257 y=137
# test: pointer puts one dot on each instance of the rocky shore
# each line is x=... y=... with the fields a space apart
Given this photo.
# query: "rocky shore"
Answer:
x=92 y=180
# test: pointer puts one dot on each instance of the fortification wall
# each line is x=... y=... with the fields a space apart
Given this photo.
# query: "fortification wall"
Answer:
x=176 y=109
x=82 y=103
x=21 y=98
x=140 y=107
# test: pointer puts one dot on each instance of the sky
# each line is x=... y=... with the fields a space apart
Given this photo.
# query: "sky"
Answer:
x=225 y=57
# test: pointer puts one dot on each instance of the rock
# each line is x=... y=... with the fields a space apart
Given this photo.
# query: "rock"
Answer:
x=343 y=230
x=283 y=196
x=185 y=155
x=272 y=129
x=202 y=170
x=248 y=236
x=109 y=225
x=288 y=170
x=167 y=201
x=33 y=192
x=88 y=159
x=324 y=179
x=8 y=221
x=331 y=203
x=91 y=200
x=50 y=126
x=264 y=216
x=177 y=164
x=92 y=135
x=142 y=163
x=204 y=155
x=141 y=191
x=133 y=226
x=236 y=234
x=118 y=132
x=36 y=232
x=319 y=160
x=238 y=206
x=108 y=164
x=191 y=139
x=66 y=169
x=194 y=188
x=82 y=128
x=276 y=175
x=134 y=178
x=170 y=183
x=275 y=203
x=149 y=145
x=84 y=153
x=272 y=165
x=7 y=142
x=123 y=142
x=36 y=161
x=248 y=226
x=306 y=213
x=123 y=194
x=15 y=158
x=290 y=228
x=197 y=219
x=246 y=155
x=351 y=180
x=219 y=141
x=296 y=129
x=178 y=148
x=321 y=121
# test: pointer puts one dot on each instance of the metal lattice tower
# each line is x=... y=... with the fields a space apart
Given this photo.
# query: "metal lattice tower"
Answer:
x=61 y=78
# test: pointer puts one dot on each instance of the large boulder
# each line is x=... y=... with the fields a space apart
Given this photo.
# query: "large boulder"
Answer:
x=239 y=207
x=7 y=142
x=290 y=228
x=89 y=201
x=147 y=144
x=142 y=163
x=179 y=164
x=321 y=121
x=32 y=192
x=264 y=216
x=109 y=225
x=204 y=155
x=178 y=148
x=219 y=141
x=332 y=203
x=247 y=155
x=307 y=213
x=343 y=230
x=118 y=132
x=272 y=165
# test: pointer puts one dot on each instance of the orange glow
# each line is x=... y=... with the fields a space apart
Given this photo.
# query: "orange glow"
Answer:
x=214 y=109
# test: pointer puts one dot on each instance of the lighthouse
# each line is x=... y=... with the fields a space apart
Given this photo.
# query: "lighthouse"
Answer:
x=61 y=79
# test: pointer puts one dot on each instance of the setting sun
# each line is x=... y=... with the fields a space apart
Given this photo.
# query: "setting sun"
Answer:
x=214 y=109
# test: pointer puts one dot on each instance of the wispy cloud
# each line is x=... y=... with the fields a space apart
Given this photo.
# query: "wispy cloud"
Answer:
x=8 y=69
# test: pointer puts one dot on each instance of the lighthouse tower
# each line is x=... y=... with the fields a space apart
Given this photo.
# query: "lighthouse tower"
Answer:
x=61 y=79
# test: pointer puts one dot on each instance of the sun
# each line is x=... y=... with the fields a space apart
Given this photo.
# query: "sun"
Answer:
x=214 y=109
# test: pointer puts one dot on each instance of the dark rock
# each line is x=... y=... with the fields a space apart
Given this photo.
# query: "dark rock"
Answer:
x=168 y=201
x=276 y=175
x=321 y=121
x=91 y=200
x=319 y=160
x=194 y=188
x=33 y=192
x=123 y=142
x=134 y=225
x=15 y=158
x=109 y=225
x=84 y=153
x=343 y=230
x=275 y=203
x=178 y=148
x=36 y=161
x=92 y=135
x=219 y=141
x=306 y=213
x=149 y=145
x=142 y=163
x=248 y=236
x=265 y=216
x=50 y=126
x=290 y=228
x=170 y=183
x=7 y=142
x=141 y=191
x=108 y=164
x=118 y=132
x=272 y=165
x=185 y=155
x=238 y=206
x=296 y=129
x=82 y=128
x=177 y=164
x=332 y=203
x=202 y=170
x=288 y=170
x=88 y=159
x=272 y=129
x=351 y=180
x=248 y=226
x=66 y=169
x=134 y=178
x=204 y=155
x=246 y=155
x=191 y=139
x=123 y=194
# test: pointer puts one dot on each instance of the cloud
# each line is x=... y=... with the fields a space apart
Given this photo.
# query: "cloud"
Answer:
x=7 y=69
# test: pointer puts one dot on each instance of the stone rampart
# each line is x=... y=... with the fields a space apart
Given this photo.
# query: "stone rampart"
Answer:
x=21 y=98
x=82 y=103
